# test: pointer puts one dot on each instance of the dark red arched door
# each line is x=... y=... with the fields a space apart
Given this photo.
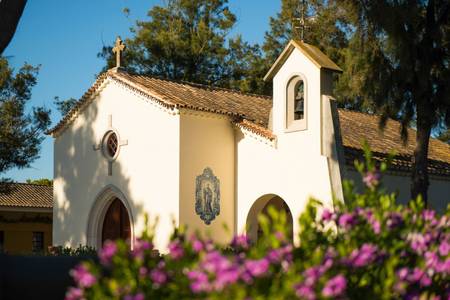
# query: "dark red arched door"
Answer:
x=117 y=222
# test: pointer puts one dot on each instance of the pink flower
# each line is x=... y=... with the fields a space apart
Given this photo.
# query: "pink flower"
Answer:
x=415 y=275
x=138 y=296
x=108 y=250
x=226 y=277
x=418 y=242
x=403 y=273
x=197 y=246
x=429 y=215
x=327 y=215
x=176 y=250
x=444 y=248
x=74 y=294
x=257 y=267
x=376 y=226
x=431 y=259
x=82 y=276
x=215 y=262
x=335 y=286
x=312 y=274
x=140 y=246
x=363 y=256
x=158 y=276
x=199 y=281
x=346 y=220
x=240 y=241
x=372 y=179
x=305 y=292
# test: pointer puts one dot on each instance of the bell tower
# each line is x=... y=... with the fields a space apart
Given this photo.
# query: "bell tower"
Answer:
x=301 y=75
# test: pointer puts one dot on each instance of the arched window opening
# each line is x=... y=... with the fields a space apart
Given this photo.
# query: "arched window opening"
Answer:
x=299 y=101
x=296 y=104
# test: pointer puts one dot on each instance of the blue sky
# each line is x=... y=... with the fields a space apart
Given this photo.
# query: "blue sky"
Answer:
x=64 y=37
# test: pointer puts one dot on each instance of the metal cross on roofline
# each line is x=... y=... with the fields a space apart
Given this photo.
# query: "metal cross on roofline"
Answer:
x=299 y=24
x=119 y=47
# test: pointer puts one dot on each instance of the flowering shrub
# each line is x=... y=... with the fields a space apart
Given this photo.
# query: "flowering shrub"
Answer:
x=369 y=248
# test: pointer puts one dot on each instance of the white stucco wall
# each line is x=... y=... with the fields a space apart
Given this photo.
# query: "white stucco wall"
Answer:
x=146 y=171
x=207 y=140
x=438 y=191
x=293 y=167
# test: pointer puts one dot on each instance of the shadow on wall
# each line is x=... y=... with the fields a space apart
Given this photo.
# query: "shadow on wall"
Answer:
x=81 y=173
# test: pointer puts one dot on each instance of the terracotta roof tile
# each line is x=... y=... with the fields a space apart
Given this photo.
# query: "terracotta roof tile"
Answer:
x=356 y=127
x=252 y=112
x=254 y=108
x=26 y=195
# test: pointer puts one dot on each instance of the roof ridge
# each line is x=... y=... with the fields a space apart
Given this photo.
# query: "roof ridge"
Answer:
x=197 y=85
x=26 y=183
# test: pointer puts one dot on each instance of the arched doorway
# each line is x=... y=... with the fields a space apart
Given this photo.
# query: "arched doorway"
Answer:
x=116 y=224
x=111 y=209
x=261 y=206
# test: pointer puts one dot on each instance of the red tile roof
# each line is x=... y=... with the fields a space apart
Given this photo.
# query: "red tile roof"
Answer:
x=252 y=112
x=26 y=195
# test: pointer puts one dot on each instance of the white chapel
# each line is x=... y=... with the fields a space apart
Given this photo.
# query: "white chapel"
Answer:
x=207 y=157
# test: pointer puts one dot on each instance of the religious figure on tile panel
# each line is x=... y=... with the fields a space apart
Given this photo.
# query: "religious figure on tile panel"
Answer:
x=207 y=196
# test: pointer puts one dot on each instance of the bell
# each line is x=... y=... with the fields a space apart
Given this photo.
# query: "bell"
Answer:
x=299 y=106
x=299 y=109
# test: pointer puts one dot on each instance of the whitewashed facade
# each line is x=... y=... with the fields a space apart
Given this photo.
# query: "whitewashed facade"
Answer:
x=162 y=151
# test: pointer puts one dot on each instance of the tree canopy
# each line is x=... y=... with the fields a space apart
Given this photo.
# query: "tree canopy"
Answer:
x=401 y=60
x=21 y=133
x=188 y=40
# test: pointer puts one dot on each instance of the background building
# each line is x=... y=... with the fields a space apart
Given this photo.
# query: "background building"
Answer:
x=25 y=218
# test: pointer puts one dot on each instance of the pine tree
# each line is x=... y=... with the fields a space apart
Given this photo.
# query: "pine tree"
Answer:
x=401 y=63
x=187 y=40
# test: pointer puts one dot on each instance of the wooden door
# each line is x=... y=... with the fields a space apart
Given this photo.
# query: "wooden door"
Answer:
x=117 y=222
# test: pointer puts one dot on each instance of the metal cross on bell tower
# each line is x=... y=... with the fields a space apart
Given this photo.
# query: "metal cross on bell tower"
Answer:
x=299 y=23
x=119 y=47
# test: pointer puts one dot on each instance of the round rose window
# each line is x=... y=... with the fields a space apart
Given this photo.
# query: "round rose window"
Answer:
x=111 y=144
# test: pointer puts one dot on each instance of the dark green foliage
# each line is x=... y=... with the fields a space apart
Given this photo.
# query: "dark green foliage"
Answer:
x=41 y=181
x=187 y=40
x=64 y=106
x=21 y=133
x=401 y=60
x=327 y=28
x=81 y=250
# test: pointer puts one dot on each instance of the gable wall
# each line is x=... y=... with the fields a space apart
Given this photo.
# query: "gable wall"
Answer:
x=207 y=140
x=145 y=172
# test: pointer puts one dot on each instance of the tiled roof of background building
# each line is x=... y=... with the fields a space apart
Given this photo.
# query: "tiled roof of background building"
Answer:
x=26 y=195
x=356 y=127
x=252 y=112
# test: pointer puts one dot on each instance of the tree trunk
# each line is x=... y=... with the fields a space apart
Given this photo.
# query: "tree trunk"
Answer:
x=10 y=13
x=420 y=182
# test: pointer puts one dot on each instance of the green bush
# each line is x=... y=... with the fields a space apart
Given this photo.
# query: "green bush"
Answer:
x=369 y=248
x=81 y=250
